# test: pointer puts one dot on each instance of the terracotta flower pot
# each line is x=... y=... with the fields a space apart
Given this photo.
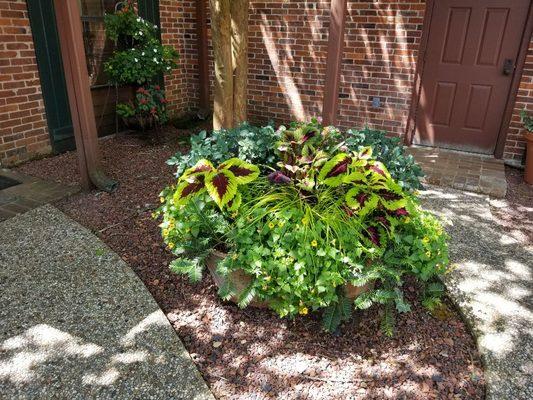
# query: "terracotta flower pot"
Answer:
x=240 y=280
x=528 y=173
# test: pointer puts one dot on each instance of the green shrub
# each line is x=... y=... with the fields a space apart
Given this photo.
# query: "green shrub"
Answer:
x=303 y=232
x=390 y=151
x=249 y=143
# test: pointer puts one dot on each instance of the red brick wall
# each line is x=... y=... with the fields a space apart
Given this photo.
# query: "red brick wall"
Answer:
x=23 y=130
x=515 y=144
x=382 y=40
x=178 y=28
x=287 y=57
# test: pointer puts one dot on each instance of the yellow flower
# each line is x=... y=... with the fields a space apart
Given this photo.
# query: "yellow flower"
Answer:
x=271 y=225
x=428 y=253
x=234 y=257
x=165 y=232
x=425 y=239
x=416 y=192
x=171 y=245
x=281 y=223
x=407 y=220
x=305 y=221
x=162 y=199
x=303 y=310
x=314 y=243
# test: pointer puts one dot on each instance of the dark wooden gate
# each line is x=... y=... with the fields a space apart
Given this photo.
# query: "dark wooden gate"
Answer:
x=470 y=59
x=48 y=53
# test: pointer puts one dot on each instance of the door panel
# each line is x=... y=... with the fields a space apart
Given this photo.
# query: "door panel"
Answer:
x=464 y=88
x=52 y=76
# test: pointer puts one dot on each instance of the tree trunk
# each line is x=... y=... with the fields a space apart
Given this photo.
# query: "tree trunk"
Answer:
x=223 y=90
x=239 y=40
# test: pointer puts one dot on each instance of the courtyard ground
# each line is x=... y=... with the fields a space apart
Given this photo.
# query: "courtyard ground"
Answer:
x=252 y=353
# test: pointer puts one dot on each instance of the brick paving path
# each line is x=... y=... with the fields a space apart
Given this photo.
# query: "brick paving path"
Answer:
x=464 y=171
x=30 y=193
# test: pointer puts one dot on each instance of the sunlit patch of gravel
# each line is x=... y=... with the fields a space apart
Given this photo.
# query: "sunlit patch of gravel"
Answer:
x=250 y=353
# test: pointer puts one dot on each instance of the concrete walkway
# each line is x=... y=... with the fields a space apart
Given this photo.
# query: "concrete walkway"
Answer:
x=76 y=323
x=492 y=284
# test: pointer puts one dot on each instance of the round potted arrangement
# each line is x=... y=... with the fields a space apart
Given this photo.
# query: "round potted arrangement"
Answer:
x=323 y=226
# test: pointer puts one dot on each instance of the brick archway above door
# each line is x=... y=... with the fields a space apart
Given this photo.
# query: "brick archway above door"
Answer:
x=470 y=59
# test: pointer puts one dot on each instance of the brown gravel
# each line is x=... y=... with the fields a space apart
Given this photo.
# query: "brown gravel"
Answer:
x=252 y=354
x=516 y=213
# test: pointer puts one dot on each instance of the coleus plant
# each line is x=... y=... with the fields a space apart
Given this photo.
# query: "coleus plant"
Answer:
x=220 y=182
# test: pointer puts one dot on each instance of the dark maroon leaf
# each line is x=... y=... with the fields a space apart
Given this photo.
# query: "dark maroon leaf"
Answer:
x=278 y=177
x=340 y=168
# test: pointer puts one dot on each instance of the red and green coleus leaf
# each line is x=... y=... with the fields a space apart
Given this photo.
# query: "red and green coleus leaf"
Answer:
x=244 y=172
x=356 y=178
x=200 y=168
x=362 y=202
x=221 y=186
x=365 y=153
x=393 y=205
x=235 y=203
x=378 y=168
x=188 y=188
x=334 y=171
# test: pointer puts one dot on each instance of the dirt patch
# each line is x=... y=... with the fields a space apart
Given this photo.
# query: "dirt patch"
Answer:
x=250 y=353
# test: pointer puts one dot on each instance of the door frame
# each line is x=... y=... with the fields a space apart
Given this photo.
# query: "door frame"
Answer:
x=513 y=89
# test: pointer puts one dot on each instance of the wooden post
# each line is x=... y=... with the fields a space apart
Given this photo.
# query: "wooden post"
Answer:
x=203 y=68
x=79 y=94
x=223 y=85
x=239 y=42
x=337 y=22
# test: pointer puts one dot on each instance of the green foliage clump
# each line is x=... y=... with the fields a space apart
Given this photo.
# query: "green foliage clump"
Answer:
x=315 y=222
x=527 y=120
x=389 y=150
x=249 y=143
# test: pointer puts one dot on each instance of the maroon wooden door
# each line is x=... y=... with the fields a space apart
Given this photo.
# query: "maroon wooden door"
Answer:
x=470 y=59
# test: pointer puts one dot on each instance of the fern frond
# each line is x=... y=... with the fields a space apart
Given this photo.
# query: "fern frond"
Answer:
x=331 y=318
x=190 y=267
x=226 y=291
x=246 y=296
x=387 y=323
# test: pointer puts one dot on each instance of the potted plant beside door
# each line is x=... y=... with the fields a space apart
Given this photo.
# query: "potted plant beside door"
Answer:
x=321 y=228
x=527 y=120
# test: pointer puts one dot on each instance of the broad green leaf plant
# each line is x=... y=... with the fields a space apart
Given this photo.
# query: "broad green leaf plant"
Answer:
x=307 y=228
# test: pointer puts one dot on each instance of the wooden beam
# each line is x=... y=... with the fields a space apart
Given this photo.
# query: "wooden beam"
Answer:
x=79 y=94
x=337 y=22
x=203 y=66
